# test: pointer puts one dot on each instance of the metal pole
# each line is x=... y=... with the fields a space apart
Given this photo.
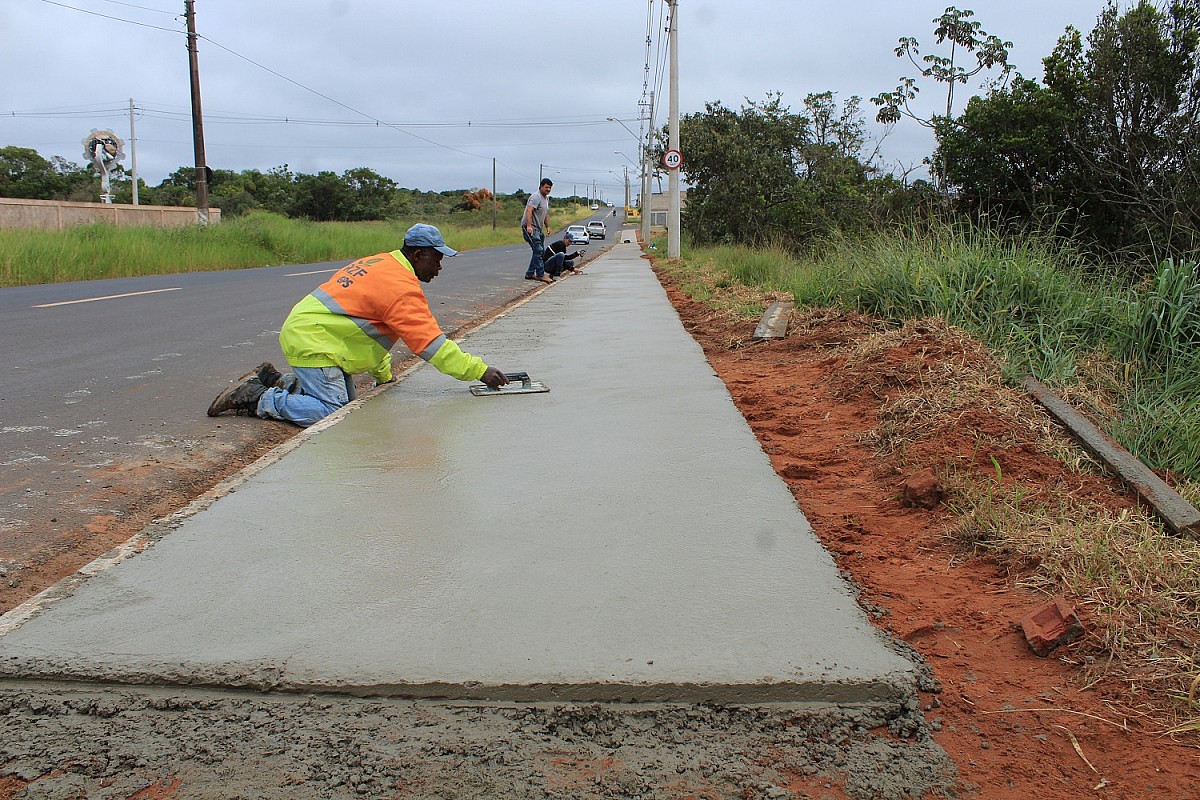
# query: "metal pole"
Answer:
x=673 y=135
x=197 y=116
x=494 y=194
x=133 y=152
x=626 y=188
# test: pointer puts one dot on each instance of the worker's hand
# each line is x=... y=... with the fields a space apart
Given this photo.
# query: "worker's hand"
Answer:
x=494 y=378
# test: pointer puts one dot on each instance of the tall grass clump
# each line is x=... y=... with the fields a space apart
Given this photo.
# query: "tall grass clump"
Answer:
x=1160 y=343
x=1029 y=299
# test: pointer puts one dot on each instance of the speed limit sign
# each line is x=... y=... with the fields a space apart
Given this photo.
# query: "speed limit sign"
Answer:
x=672 y=159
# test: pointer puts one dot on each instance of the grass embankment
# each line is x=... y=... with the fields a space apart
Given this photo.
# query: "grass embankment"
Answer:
x=257 y=239
x=1128 y=355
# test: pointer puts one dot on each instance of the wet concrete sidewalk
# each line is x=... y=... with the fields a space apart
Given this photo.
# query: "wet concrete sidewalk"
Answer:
x=622 y=537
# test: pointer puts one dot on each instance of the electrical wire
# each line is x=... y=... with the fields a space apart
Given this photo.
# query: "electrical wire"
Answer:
x=117 y=19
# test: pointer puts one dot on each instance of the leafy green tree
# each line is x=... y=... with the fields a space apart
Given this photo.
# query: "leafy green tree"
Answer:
x=1134 y=134
x=372 y=195
x=272 y=190
x=1007 y=152
x=967 y=41
x=322 y=197
x=743 y=167
x=24 y=173
x=767 y=175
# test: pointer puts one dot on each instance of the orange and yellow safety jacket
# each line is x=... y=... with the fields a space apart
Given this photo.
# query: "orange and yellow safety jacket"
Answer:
x=352 y=321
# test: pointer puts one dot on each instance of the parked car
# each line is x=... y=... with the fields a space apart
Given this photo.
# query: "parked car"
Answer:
x=577 y=234
x=596 y=230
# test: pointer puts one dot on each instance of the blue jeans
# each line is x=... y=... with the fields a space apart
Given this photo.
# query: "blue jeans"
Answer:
x=556 y=263
x=537 y=240
x=320 y=392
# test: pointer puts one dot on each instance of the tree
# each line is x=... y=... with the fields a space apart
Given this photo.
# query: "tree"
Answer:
x=1007 y=153
x=766 y=175
x=474 y=200
x=743 y=167
x=273 y=190
x=24 y=173
x=1134 y=132
x=372 y=196
x=322 y=197
x=962 y=33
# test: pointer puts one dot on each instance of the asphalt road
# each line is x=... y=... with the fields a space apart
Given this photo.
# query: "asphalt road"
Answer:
x=106 y=383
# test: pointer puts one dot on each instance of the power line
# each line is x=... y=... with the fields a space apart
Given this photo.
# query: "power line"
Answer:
x=117 y=19
x=143 y=8
x=279 y=75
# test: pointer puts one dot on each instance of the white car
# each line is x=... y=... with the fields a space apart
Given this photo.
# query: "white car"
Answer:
x=595 y=207
x=577 y=234
x=596 y=230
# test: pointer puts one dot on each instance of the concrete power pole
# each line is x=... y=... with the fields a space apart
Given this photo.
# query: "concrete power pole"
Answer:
x=647 y=167
x=197 y=116
x=133 y=152
x=673 y=135
x=626 y=187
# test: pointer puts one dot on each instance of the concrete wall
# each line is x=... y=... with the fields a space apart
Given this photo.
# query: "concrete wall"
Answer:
x=57 y=214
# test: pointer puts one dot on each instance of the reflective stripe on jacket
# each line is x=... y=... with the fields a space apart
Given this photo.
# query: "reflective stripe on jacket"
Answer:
x=353 y=319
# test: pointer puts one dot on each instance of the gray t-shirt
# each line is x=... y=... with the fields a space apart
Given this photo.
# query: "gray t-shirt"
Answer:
x=541 y=207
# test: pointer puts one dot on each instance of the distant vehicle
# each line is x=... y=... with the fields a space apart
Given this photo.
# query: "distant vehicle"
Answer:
x=596 y=230
x=577 y=234
x=595 y=207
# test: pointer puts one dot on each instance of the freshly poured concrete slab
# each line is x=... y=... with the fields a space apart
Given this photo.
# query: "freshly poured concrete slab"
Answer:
x=621 y=537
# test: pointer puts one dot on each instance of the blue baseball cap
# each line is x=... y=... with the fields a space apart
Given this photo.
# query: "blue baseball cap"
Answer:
x=422 y=235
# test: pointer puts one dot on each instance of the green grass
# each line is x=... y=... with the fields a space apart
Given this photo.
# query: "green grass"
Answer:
x=257 y=239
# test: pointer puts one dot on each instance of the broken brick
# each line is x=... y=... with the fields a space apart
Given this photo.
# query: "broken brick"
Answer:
x=1051 y=625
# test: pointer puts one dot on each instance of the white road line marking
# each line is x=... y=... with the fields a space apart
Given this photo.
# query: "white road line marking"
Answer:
x=107 y=297
x=314 y=272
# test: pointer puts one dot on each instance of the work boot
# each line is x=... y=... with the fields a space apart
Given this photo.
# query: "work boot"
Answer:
x=267 y=374
x=240 y=397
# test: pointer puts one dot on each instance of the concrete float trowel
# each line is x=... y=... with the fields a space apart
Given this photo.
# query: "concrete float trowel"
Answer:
x=518 y=383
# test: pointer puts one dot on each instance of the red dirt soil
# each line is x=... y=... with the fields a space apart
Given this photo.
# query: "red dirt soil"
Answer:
x=1018 y=726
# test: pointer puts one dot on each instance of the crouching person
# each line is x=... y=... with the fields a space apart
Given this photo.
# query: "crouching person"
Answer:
x=349 y=325
x=558 y=260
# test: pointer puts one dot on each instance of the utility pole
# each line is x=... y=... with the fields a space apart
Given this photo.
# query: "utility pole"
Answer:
x=626 y=186
x=133 y=152
x=494 y=194
x=197 y=116
x=646 y=169
x=673 y=135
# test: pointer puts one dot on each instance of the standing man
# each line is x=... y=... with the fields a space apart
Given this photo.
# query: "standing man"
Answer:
x=533 y=227
x=349 y=325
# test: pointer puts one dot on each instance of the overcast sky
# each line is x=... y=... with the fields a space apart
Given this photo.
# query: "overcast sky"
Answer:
x=429 y=93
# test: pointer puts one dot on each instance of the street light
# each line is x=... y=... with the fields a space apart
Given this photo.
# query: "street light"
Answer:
x=627 y=158
x=626 y=127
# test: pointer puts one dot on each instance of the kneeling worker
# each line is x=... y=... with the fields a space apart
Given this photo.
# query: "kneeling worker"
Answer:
x=557 y=259
x=349 y=325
